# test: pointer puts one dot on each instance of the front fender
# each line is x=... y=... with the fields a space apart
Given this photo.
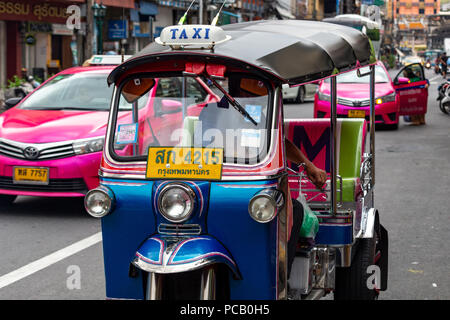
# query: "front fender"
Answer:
x=162 y=254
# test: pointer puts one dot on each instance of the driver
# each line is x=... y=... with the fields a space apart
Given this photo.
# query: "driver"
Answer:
x=211 y=119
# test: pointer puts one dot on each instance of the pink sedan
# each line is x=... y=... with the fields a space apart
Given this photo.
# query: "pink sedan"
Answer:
x=51 y=142
x=406 y=95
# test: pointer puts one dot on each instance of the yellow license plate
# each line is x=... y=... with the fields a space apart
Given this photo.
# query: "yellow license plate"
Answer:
x=31 y=175
x=184 y=163
x=356 y=114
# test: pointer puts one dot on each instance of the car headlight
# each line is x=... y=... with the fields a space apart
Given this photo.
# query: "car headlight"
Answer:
x=176 y=202
x=387 y=98
x=99 y=202
x=324 y=97
x=264 y=206
x=89 y=145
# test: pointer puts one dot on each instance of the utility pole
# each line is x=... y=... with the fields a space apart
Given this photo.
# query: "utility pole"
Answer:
x=89 y=29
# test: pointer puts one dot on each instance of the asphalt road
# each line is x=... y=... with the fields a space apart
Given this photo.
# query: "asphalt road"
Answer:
x=42 y=256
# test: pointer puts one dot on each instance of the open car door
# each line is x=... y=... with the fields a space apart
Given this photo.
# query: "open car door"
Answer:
x=412 y=89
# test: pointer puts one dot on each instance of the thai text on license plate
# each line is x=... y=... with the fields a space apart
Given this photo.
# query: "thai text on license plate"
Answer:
x=30 y=175
x=356 y=113
x=184 y=163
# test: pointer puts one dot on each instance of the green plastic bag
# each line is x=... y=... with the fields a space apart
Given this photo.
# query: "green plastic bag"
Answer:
x=310 y=224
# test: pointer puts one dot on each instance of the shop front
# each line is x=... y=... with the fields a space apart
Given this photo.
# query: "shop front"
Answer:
x=35 y=37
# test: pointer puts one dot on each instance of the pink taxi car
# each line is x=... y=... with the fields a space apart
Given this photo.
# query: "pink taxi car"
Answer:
x=51 y=142
x=406 y=95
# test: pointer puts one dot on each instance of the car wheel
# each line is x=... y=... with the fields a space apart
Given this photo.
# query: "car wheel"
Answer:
x=300 y=95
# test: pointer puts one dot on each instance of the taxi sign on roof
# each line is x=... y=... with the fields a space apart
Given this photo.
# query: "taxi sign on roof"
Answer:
x=193 y=35
x=107 y=60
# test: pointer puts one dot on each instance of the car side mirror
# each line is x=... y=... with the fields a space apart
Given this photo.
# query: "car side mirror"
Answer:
x=11 y=102
x=402 y=80
x=170 y=106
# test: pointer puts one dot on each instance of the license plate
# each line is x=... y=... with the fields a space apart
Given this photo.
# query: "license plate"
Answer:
x=30 y=175
x=184 y=163
x=356 y=114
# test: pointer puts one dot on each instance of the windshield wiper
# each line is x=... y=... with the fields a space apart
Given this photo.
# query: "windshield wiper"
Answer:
x=233 y=101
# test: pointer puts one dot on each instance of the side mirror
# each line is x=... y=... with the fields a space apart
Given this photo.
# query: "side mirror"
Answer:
x=11 y=102
x=170 y=106
x=402 y=80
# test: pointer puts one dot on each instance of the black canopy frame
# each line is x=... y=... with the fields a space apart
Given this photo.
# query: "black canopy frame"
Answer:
x=287 y=51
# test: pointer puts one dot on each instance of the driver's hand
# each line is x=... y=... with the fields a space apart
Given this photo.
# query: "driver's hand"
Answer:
x=317 y=176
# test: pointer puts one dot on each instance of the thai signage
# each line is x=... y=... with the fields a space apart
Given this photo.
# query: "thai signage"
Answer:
x=25 y=10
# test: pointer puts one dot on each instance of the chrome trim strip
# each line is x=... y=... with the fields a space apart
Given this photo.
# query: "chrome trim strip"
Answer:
x=368 y=218
x=51 y=150
x=179 y=229
x=282 y=239
x=333 y=138
x=208 y=284
x=169 y=249
x=154 y=286
x=372 y=124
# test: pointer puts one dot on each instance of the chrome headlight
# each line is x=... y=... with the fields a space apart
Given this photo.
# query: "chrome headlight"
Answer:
x=99 y=202
x=387 y=98
x=264 y=206
x=176 y=202
x=89 y=145
x=322 y=96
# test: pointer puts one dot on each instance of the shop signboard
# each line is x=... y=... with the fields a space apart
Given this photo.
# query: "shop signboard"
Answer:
x=38 y=11
x=117 y=29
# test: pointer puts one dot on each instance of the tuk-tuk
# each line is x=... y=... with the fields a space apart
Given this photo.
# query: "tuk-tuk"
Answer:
x=195 y=187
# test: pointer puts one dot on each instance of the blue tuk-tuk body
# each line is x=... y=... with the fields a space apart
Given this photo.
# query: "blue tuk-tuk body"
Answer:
x=133 y=229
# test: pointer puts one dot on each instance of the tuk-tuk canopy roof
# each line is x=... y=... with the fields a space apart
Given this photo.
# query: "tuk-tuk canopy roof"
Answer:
x=290 y=51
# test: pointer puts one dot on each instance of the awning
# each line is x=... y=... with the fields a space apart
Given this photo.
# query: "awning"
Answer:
x=148 y=8
x=118 y=3
x=145 y=9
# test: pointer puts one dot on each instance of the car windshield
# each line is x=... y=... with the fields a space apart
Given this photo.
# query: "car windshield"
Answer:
x=352 y=76
x=78 y=91
x=175 y=111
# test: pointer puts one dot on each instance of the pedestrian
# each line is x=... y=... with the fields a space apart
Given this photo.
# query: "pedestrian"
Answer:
x=443 y=62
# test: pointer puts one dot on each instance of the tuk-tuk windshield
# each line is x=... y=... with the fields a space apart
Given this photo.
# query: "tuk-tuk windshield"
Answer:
x=186 y=111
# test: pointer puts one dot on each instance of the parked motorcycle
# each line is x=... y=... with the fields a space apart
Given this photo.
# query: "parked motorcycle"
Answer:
x=26 y=87
x=444 y=97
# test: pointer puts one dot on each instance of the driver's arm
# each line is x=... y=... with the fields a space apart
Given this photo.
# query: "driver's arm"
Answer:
x=316 y=175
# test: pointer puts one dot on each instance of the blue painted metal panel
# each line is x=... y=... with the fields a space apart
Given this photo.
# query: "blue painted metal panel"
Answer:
x=252 y=244
x=334 y=234
x=131 y=222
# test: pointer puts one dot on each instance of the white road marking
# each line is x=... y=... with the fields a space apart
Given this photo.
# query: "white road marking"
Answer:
x=436 y=77
x=47 y=261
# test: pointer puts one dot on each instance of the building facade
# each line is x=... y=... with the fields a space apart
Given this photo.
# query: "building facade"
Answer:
x=415 y=9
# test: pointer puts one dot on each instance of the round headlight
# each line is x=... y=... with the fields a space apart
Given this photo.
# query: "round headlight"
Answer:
x=176 y=202
x=262 y=208
x=98 y=203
